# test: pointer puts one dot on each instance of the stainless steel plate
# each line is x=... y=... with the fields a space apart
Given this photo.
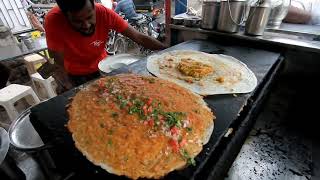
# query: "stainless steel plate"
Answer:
x=22 y=134
x=4 y=144
x=108 y=64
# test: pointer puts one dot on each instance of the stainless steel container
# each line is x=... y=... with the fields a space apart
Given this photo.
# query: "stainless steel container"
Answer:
x=210 y=14
x=25 y=138
x=258 y=19
x=279 y=10
x=29 y=43
x=231 y=15
x=27 y=40
x=177 y=20
x=22 y=134
x=192 y=22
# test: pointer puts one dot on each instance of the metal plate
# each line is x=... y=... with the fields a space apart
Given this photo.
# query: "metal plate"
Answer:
x=106 y=65
x=4 y=144
x=22 y=134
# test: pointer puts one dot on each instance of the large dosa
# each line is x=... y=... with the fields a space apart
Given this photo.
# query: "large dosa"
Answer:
x=139 y=126
x=229 y=74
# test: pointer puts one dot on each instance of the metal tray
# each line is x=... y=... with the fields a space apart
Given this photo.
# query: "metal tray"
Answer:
x=50 y=118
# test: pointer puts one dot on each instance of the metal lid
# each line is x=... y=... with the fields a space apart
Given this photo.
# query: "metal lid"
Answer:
x=209 y=1
x=234 y=0
x=22 y=134
x=4 y=144
x=261 y=3
x=265 y=3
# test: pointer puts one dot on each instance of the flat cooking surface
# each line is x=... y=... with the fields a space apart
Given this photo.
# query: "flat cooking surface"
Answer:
x=49 y=118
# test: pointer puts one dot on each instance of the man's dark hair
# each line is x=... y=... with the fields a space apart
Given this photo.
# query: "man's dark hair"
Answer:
x=72 y=5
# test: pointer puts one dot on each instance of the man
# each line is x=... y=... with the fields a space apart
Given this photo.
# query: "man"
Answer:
x=127 y=7
x=304 y=12
x=76 y=34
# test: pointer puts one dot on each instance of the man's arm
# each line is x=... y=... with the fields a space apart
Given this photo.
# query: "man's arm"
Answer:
x=142 y=39
x=35 y=22
x=57 y=56
x=117 y=8
x=297 y=16
x=60 y=74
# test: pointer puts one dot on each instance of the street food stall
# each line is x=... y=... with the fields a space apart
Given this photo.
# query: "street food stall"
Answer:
x=234 y=113
x=198 y=103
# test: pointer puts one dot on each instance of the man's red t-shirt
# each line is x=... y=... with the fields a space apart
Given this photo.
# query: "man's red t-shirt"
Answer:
x=81 y=53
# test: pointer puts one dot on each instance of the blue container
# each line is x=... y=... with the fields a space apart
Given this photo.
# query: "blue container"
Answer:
x=180 y=6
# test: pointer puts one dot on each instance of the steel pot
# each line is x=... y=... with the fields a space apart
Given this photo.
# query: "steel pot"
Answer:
x=279 y=10
x=210 y=14
x=258 y=19
x=231 y=15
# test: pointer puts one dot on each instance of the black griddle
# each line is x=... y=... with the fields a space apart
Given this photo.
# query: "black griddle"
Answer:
x=50 y=117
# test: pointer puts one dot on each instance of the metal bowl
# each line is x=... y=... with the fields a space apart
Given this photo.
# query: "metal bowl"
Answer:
x=177 y=20
x=192 y=22
x=22 y=134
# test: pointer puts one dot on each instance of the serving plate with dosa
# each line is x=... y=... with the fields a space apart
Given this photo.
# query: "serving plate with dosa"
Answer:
x=227 y=74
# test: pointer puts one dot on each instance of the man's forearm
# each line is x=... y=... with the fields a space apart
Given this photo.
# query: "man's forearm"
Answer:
x=142 y=39
x=296 y=15
x=58 y=57
x=61 y=76
x=59 y=73
x=150 y=43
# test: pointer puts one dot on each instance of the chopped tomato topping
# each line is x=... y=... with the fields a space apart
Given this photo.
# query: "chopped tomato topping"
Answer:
x=145 y=110
x=149 y=102
x=101 y=84
x=174 y=130
x=161 y=119
x=183 y=142
x=174 y=145
x=151 y=122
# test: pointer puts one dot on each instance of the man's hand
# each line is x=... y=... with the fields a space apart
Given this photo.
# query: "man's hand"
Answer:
x=62 y=79
x=35 y=22
x=142 y=39
x=59 y=74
